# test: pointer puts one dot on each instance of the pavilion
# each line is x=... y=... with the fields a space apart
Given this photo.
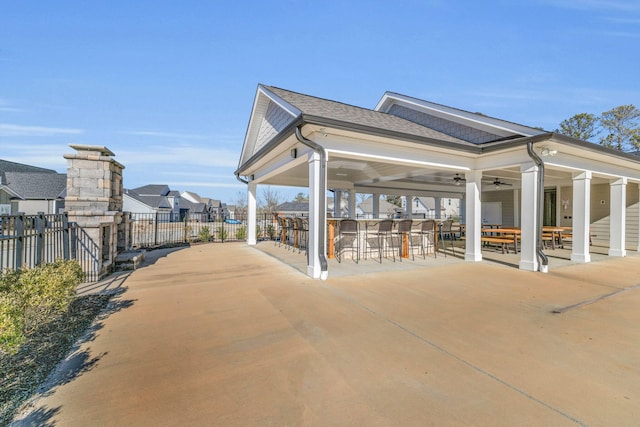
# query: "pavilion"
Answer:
x=411 y=147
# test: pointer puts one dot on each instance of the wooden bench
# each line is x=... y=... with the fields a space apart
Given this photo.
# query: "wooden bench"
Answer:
x=502 y=241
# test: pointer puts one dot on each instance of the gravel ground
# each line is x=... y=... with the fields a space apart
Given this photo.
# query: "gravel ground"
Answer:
x=21 y=374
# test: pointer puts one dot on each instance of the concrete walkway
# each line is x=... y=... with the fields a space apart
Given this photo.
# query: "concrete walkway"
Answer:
x=228 y=335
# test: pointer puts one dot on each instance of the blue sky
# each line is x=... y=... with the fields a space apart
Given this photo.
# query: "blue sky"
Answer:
x=168 y=86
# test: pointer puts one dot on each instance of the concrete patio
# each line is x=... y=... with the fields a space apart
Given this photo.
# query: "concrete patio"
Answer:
x=229 y=335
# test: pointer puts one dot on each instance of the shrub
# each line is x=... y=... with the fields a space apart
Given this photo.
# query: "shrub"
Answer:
x=271 y=232
x=241 y=233
x=204 y=234
x=222 y=233
x=32 y=297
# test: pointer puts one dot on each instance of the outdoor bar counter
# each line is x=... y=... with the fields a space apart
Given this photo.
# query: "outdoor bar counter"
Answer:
x=365 y=225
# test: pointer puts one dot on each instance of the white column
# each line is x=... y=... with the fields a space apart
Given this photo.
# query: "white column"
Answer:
x=437 y=206
x=617 y=213
x=315 y=217
x=528 y=224
x=251 y=213
x=581 y=217
x=638 y=248
x=337 y=203
x=376 y=206
x=473 y=211
x=408 y=209
x=516 y=208
x=352 y=203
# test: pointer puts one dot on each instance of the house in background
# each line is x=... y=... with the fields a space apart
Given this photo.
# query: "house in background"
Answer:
x=150 y=199
x=425 y=207
x=386 y=209
x=30 y=189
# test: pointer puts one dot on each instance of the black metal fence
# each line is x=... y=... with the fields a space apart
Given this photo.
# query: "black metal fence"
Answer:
x=149 y=230
x=32 y=240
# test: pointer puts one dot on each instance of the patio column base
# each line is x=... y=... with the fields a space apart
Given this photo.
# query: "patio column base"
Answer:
x=528 y=265
x=581 y=257
x=473 y=257
x=316 y=273
x=617 y=252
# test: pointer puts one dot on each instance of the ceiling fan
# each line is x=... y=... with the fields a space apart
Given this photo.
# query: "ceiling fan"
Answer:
x=496 y=181
x=457 y=180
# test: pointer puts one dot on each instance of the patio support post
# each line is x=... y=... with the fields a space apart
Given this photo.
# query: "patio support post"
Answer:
x=638 y=248
x=581 y=217
x=376 y=206
x=529 y=206
x=462 y=210
x=516 y=208
x=473 y=211
x=317 y=222
x=618 y=189
x=251 y=213
x=337 y=203
x=408 y=200
x=437 y=207
x=352 y=203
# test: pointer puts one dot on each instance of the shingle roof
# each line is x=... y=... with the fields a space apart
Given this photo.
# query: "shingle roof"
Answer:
x=152 y=190
x=193 y=207
x=30 y=185
x=7 y=166
x=152 y=201
x=333 y=110
x=294 y=207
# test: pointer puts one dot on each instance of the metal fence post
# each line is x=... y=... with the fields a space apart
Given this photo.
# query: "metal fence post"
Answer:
x=155 y=232
x=39 y=238
x=65 y=236
x=73 y=237
x=19 y=224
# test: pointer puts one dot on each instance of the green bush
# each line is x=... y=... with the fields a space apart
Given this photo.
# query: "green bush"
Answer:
x=32 y=297
x=241 y=233
x=271 y=232
x=204 y=234
x=222 y=233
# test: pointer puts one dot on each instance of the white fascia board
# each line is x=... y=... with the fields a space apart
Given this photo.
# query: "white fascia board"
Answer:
x=278 y=166
x=598 y=168
x=9 y=191
x=281 y=102
x=486 y=123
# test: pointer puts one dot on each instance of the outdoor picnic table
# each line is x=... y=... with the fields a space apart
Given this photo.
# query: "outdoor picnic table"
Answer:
x=502 y=232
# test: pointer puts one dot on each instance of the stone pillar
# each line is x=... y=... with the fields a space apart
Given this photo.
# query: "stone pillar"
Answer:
x=94 y=201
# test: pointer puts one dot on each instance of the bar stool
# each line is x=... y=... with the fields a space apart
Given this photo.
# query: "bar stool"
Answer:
x=445 y=229
x=348 y=230
x=404 y=229
x=291 y=227
x=428 y=235
x=380 y=235
x=303 y=233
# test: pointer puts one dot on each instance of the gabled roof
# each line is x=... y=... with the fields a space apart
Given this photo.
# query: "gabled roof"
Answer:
x=473 y=127
x=193 y=207
x=173 y=193
x=293 y=207
x=37 y=185
x=191 y=196
x=7 y=166
x=156 y=202
x=152 y=190
x=384 y=206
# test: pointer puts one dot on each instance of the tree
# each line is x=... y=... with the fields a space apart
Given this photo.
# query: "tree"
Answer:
x=270 y=199
x=622 y=128
x=395 y=200
x=300 y=197
x=582 y=126
x=241 y=204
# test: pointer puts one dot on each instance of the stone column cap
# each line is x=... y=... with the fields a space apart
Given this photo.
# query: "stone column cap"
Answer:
x=92 y=149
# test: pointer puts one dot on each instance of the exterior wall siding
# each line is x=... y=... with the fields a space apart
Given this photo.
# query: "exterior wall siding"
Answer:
x=273 y=122
x=506 y=197
x=450 y=128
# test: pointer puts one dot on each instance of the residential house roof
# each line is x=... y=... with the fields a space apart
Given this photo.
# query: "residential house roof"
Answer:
x=193 y=207
x=293 y=207
x=152 y=190
x=384 y=206
x=36 y=185
x=156 y=202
